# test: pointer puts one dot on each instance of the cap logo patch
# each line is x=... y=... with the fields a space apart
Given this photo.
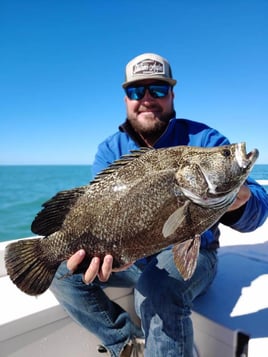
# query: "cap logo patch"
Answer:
x=148 y=66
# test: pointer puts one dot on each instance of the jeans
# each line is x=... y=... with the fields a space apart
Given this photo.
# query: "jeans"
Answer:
x=163 y=301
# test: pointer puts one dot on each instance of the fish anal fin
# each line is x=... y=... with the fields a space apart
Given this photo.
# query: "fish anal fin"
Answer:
x=174 y=220
x=185 y=256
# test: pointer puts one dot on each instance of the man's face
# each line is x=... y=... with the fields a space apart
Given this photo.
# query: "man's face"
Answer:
x=149 y=116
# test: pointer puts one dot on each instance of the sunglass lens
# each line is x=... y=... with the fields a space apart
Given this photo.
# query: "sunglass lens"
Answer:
x=158 y=91
x=135 y=93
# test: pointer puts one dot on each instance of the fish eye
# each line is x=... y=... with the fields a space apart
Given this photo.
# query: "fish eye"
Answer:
x=226 y=152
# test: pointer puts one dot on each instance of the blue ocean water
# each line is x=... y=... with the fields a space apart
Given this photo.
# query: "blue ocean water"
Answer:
x=23 y=189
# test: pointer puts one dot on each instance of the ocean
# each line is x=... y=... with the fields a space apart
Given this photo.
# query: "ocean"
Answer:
x=24 y=188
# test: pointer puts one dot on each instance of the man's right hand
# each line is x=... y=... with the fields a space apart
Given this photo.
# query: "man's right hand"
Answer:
x=95 y=268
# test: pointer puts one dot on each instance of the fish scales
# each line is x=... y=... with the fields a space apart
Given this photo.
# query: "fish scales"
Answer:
x=142 y=203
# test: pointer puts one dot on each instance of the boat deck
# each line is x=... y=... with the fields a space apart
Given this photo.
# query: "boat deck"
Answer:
x=232 y=316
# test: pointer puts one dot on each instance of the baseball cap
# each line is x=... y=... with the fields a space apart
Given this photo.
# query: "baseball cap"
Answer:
x=148 y=66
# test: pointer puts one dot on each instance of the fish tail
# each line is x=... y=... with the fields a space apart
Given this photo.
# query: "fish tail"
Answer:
x=27 y=267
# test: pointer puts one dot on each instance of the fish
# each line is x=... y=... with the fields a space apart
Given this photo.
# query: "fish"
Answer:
x=144 y=202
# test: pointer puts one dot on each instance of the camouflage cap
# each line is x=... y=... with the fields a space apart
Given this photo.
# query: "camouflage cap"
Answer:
x=148 y=66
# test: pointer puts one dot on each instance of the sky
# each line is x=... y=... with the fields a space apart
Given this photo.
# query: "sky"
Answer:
x=62 y=64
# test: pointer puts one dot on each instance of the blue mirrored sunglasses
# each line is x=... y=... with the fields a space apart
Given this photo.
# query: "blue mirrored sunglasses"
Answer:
x=155 y=90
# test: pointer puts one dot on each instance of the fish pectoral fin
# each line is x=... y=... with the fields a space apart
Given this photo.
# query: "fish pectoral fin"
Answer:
x=185 y=256
x=174 y=220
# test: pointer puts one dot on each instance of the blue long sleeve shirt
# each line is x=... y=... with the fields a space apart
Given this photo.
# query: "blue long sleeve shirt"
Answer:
x=187 y=132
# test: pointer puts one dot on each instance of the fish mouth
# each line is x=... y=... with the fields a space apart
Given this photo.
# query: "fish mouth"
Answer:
x=244 y=159
x=218 y=199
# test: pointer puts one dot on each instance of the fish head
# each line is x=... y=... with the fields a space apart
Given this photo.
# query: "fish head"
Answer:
x=212 y=176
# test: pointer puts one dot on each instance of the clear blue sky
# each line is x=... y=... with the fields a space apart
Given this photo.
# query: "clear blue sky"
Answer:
x=62 y=64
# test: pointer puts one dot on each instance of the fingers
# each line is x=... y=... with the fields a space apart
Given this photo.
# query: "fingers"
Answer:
x=106 y=268
x=75 y=260
x=96 y=269
x=92 y=271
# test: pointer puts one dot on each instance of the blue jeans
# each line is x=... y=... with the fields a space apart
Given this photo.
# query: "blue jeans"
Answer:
x=163 y=301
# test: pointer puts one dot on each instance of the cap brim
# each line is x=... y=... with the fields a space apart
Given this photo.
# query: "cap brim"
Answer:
x=170 y=81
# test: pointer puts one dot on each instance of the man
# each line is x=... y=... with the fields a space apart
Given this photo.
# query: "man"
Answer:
x=163 y=299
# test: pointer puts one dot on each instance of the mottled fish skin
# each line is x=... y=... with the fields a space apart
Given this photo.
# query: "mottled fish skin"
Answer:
x=144 y=202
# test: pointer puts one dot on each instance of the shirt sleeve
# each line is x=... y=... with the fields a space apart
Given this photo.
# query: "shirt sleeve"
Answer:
x=103 y=158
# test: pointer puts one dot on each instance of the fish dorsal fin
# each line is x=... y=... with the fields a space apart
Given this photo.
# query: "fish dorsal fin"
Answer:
x=174 y=220
x=185 y=256
x=123 y=161
x=51 y=217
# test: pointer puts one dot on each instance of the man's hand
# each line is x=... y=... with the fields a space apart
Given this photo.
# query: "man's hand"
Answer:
x=95 y=268
x=242 y=197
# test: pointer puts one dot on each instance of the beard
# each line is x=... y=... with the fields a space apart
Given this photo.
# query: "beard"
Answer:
x=152 y=127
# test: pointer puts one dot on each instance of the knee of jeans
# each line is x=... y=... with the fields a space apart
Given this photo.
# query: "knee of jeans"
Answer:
x=161 y=294
x=65 y=283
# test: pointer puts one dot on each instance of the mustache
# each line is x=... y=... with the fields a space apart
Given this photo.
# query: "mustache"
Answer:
x=143 y=108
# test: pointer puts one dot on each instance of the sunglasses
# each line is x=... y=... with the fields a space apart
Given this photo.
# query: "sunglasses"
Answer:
x=155 y=90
